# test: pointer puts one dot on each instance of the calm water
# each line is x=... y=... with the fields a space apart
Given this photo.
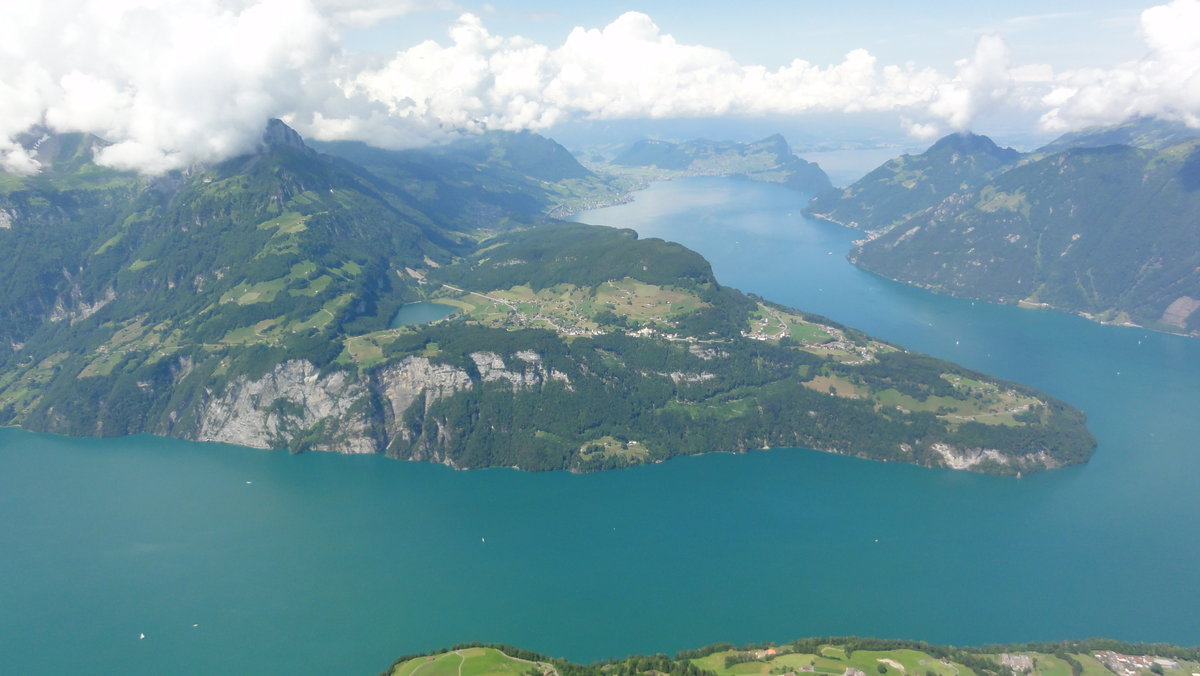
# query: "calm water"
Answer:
x=327 y=564
x=420 y=313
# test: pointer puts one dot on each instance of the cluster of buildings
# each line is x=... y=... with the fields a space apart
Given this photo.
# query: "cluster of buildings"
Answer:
x=1132 y=665
x=1017 y=662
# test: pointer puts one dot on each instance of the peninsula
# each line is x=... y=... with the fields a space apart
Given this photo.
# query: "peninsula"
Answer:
x=249 y=302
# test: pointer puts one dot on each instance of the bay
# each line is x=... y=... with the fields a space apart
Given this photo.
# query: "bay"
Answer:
x=318 y=564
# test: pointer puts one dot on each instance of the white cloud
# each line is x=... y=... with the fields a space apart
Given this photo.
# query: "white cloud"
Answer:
x=983 y=81
x=920 y=131
x=1165 y=83
x=173 y=82
x=168 y=82
x=627 y=69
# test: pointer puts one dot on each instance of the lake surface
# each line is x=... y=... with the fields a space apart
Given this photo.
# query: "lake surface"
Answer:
x=419 y=313
x=332 y=564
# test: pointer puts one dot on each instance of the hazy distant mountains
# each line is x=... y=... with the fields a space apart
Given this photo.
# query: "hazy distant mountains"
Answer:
x=770 y=159
x=1140 y=133
x=1110 y=230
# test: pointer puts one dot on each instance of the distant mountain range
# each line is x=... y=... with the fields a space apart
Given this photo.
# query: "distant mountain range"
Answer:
x=770 y=160
x=249 y=302
x=1108 y=230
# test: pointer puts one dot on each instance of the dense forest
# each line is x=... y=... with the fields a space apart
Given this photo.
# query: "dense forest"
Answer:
x=1099 y=222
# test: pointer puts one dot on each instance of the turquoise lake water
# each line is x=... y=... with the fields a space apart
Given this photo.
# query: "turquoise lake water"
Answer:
x=326 y=564
x=419 y=313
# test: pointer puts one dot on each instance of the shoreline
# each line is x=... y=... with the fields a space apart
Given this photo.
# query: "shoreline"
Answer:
x=1023 y=303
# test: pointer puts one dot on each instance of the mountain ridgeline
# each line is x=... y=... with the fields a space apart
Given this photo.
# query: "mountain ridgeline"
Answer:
x=1139 y=132
x=1084 y=225
x=249 y=302
x=910 y=184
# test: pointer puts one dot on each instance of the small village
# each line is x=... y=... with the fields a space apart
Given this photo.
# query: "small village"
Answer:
x=648 y=312
x=1132 y=665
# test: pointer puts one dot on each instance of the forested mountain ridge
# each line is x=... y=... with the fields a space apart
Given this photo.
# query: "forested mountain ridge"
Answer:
x=1111 y=232
x=640 y=355
x=270 y=254
x=480 y=181
x=248 y=302
x=909 y=184
x=1101 y=222
x=59 y=211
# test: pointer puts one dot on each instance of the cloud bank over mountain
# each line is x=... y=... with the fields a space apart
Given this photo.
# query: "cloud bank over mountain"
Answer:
x=168 y=83
x=1165 y=83
x=173 y=82
x=627 y=69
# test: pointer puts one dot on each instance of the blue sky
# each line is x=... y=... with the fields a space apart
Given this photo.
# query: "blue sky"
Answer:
x=1066 y=34
x=173 y=82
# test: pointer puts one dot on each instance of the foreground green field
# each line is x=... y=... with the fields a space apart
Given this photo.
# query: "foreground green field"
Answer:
x=831 y=656
x=471 y=661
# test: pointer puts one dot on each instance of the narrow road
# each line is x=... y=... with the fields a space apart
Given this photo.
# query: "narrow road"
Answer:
x=543 y=665
x=501 y=301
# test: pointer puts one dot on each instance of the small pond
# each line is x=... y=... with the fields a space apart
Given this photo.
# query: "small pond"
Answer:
x=420 y=313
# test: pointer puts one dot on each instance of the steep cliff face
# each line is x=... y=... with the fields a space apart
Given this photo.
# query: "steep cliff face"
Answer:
x=976 y=459
x=411 y=387
x=290 y=405
x=529 y=370
x=295 y=406
x=416 y=381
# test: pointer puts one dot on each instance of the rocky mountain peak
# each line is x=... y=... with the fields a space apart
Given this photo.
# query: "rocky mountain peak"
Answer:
x=279 y=135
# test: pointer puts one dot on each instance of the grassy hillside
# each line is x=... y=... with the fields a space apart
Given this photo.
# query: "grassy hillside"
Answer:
x=827 y=656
